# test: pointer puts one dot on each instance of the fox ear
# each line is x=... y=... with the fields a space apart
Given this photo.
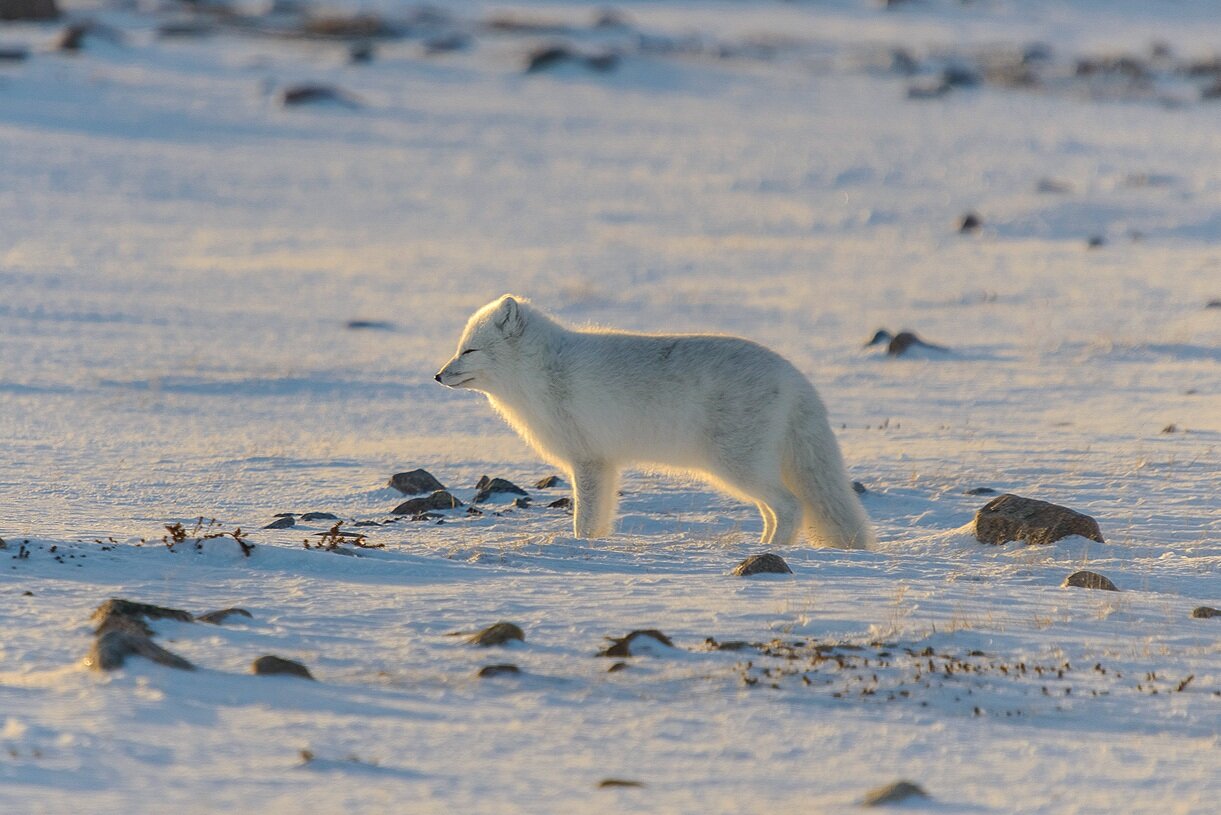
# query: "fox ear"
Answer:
x=509 y=317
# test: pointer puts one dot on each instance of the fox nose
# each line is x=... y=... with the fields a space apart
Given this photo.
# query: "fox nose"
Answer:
x=437 y=377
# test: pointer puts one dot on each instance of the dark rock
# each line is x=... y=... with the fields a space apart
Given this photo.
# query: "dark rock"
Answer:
x=762 y=564
x=904 y=341
x=549 y=482
x=1213 y=304
x=902 y=62
x=319 y=516
x=561 y=503
x=312 y=94
x=355 y=27
x=369 y=325
x=487 y=487
x=72 y=38
x=219 y=616
x=602 y=63
x=283 y=522
x=498 y=670
x=622 y=646
x=521 y=503
x=617 y=667
x=959 y=76
x=13 y=53
x=1170 y=428
x=1205 y=612
x=1010 y=518
x=970 y=223
x=1096 y=242
x=893 y=793
x=418 y=506
x=360 y=53
x=117 y=607
x=859 y=488
x=980 y=491
x=415 y=482
x=618 y=782
x=28 y=10
x=271 y=665
x=551 y=56
x=880 y=337
x=1051 y=186
x=473 y=511
x=1037 y=52
x=446 y=43
x=112 y=648
x=1089 y=580
x=497 y=634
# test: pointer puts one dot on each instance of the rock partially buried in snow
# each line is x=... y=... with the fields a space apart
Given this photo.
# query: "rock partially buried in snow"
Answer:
x=271 y=665
x=893 y=793
x=112 y=648
x=320 y=516
x=219 y=616
x=1205 y=612
x=498 y=670
x=766 y=563
x=1088 y=580
x=438 y=500
x=904 y=341
x=549 y=482
x=297 y=95
x=497 y=634
x=283 y=522
x=560 y=503
x=116 y=607
x=486 y=487
x=618 y=782
x=1011 y=517
x=415 y=482
x=641 y=642
x=970 y=223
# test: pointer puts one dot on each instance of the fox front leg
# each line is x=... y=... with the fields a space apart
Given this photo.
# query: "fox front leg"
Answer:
x=595 y=489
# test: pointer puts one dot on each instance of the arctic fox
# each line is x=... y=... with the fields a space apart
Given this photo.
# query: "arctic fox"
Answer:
x=592 y=401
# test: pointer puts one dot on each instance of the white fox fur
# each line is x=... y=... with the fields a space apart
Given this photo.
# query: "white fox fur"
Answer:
x=593 y=401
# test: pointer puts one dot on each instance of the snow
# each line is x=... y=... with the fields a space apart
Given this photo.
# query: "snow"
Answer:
x=180 y=255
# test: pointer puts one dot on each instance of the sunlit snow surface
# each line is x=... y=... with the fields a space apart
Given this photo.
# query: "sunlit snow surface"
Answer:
x=179 y=257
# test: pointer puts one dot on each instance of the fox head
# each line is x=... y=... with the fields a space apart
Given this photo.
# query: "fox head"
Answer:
x=488 y=345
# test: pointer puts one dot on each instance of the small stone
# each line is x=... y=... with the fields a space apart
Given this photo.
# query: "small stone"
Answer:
x=762 y=564
x=904 y=341
x=319 y=516
x=980 y=491
x=880 y=337
x=1014 y=518
x=446 y=43
x=313 y=94
x=486 y=487
x=498 y=670
x=497 y=634
x=970 y=223
x=118 y=607
x=893 y=793
x=521 y=503
x=1205 y=612
x=549 y=482
x=113 y=647
x=369 y=325
x=360 y=53
x=13 y=53
x=27 y=593
x=1088 y=580
x=284 y=522
x=219 y=616
x=1213 y=304
x=960 y=76
x=1096 y=242
x=271 y=665
x=560 y=503
x=616 y=667
x=859 y=488
x=418 y=506
x=622 y=646
x=72 y=37
x=1052 y=186
x=618 y=782
x=415 y=482
x=1170 y=428
x=547 y=57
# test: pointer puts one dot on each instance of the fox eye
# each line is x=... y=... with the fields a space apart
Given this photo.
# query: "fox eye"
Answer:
x=468 y=351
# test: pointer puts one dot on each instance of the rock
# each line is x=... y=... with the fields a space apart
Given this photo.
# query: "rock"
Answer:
x=1096 y=242
x=271 y=665
x=762 y=564
x=487 y=487
x=415 y=482
x=644 y=639
x=959 y=76
x=72 y=37
x=117 y=607
x=1205 y=612
x=549 y=482
x=1088 y=580
x=13 y=53
x=893 y=793
x=617 y=667
x=551 y=56
x=418 y=506
x=355 y=27
x=618 y=782
x=1012 y=518
x=313 y=94
x=880 y=337
x=859 y=488
x=283 y=522
x=112 y=648
x=497 y=634
x=446 y=43
x=970 y=222
x=361 y=53
x=219 y=616
x=1052 y=186
x=1170 y=428
x=902 y=62
x=28 y=10
x=904 y=341
x=367 y=325
x=521 y=503
x=561 y=503
x=980 y=491
x=319 y=516
x=498 y=670
x=1213 y=304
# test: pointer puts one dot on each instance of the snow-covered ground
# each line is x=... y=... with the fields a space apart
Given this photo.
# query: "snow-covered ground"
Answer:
x=180 y=255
